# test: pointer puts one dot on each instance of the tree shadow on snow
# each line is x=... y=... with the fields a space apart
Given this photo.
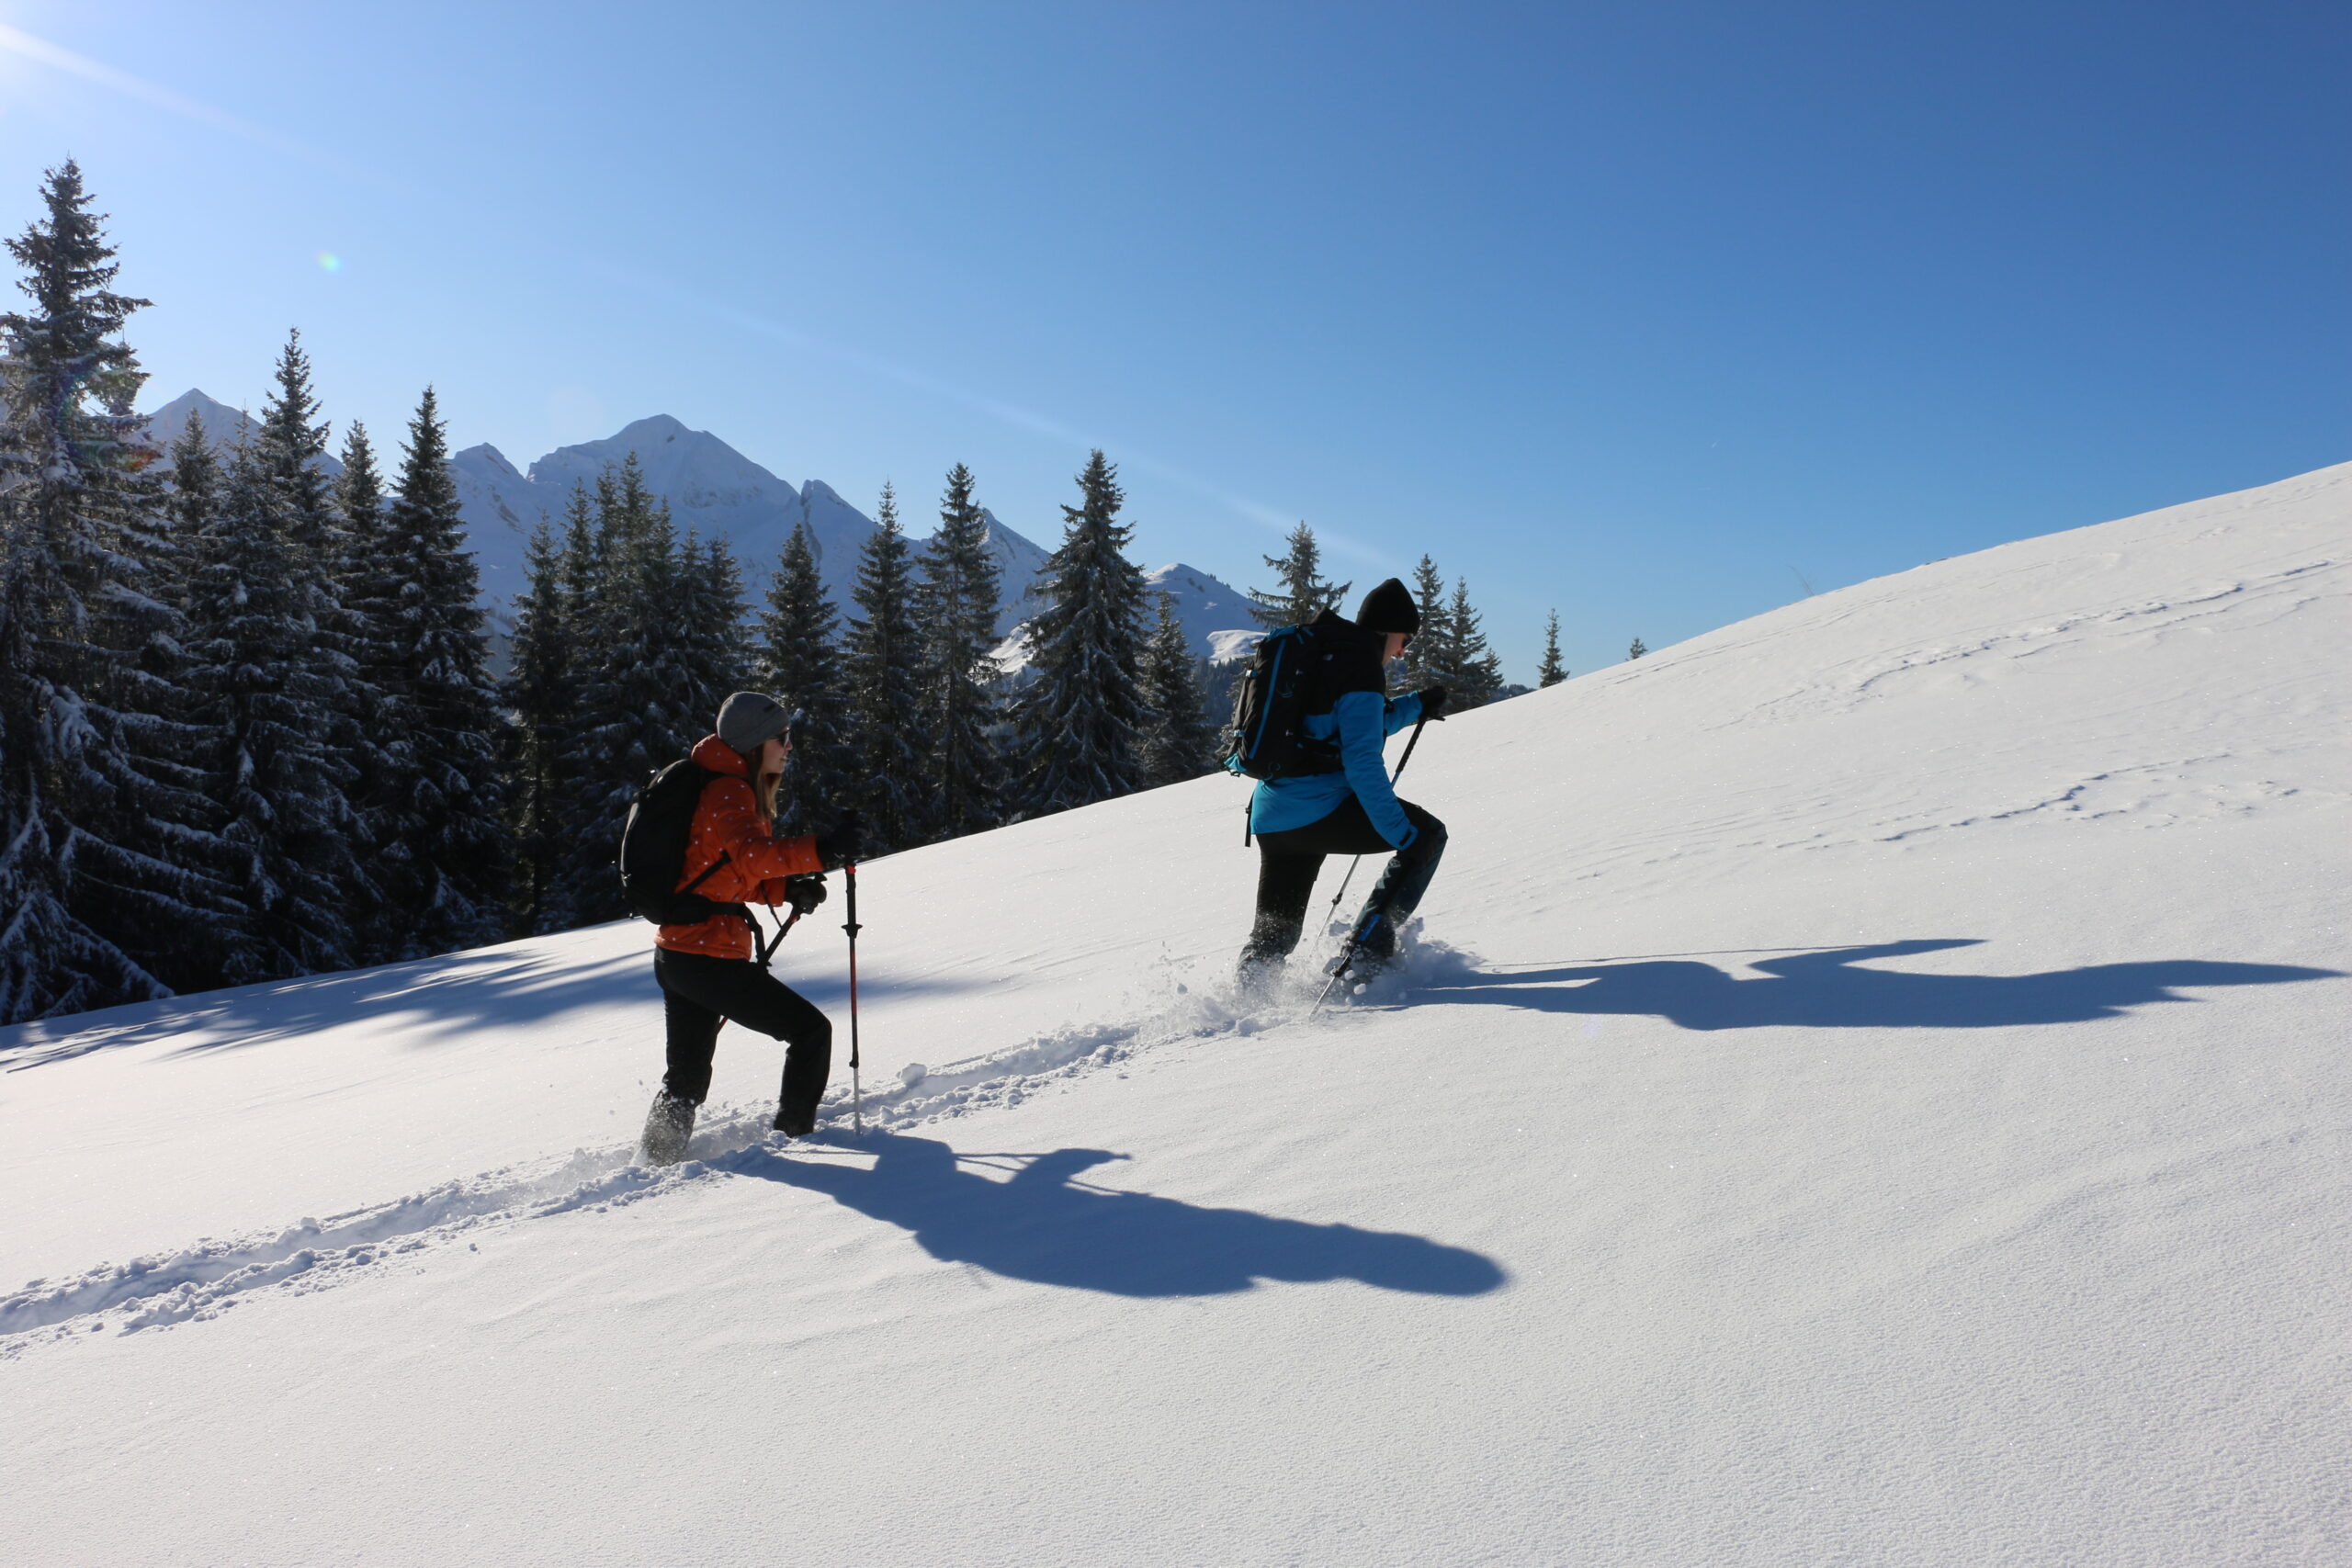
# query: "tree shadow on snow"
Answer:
x=1044 y=1225
x=1827 y=989
x=430 y=1000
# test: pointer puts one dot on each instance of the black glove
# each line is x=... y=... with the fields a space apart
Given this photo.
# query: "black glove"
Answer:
x=804 y=893
x=839 y=844
x=1434 y=702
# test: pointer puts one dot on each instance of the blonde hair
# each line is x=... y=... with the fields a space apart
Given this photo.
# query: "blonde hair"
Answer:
x=763 y=790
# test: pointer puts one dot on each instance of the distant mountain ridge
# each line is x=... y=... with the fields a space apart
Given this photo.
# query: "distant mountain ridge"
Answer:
x=1214 y=615
x=711 y=487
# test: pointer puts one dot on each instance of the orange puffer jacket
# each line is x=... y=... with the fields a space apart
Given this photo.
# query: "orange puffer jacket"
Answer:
x=727 y=823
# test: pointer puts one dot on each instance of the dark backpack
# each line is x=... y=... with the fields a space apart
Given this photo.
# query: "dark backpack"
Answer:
x=1286 y=680
x=653 y=849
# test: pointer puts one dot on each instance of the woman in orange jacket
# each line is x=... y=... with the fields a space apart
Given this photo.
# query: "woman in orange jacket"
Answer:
x=706 y=971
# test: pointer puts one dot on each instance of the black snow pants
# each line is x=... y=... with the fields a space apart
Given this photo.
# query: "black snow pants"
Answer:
x=699 y=993
x=1288 y=861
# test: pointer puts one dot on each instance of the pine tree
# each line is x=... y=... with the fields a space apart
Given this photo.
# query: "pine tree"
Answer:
x=799 y=664
x=1431 y=658
x=290 y=446
x=1478 y=673
x=369 y=580
x=710 y=625
x=182 y=820
x=1304 y=593
x=286 y=455
x=444 y=877
x=77 y=610
x=367 y=584
x=633 y=714
x=1637 y=650
x=1177 y=743
x=565 y=882
x=541 y=693
x=1550 y=673
x=1076 y=724
x=885 y=671
x=956 y=606
x=271 y=756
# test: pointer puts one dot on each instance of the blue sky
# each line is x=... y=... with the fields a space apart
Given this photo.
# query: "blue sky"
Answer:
x=1653 y=313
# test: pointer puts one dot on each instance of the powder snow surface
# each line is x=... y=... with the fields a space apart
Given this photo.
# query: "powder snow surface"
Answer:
x=1872 y=1090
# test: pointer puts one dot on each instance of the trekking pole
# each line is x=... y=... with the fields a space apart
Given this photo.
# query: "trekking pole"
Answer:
x=1348 y=953
x=857 y=1091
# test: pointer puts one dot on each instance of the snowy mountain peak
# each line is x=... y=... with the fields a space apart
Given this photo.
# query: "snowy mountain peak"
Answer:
x=488 y=460
x=223 y=426
x=1215 y=615
x=712 y=490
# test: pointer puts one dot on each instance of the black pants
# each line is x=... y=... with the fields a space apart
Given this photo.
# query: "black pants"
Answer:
x=699 y=993
x=1288 y=861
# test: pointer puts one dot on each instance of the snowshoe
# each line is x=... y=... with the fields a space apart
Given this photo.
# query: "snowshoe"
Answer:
x=667 y=1127
x=1257 y=980
x=795 y=1123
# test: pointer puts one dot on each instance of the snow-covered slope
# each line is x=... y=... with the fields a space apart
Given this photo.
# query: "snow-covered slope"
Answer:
x=1872 y=1090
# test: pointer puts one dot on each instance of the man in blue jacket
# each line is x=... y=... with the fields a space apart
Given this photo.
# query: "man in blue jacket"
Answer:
x=1349 y=810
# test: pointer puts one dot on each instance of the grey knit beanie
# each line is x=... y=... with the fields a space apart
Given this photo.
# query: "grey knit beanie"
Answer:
x=747 y=718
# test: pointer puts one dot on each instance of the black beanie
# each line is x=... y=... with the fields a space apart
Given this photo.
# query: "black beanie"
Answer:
x=1388 y=608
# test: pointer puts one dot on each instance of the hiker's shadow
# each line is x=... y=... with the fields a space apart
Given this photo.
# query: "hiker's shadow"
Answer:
x=1827 y=989
x=1042 y=1223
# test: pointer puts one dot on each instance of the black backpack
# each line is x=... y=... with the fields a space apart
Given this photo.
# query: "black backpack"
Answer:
x=653 y=849
x=1288 y=678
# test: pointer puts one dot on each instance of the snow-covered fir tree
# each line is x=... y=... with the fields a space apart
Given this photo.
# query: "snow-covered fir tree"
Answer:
x=799 y=664
x=369 y=580
x=1550 y=673
x=1477 y=673
x=76 y=609
x=287 y=451
x=541 y=693
x=956 y=605
x=290 y=446
x=1076 y=724
x=709 y=617
x=885 y=671
x=1178 y=742
x=444 y=844
x=183 y=822
x=1301 y=593
x=273 y=765
x=633 y=714
x=557 y=790
x=369 y=586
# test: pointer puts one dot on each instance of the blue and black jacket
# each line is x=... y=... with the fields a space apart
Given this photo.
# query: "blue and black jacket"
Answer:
x=1355 y=711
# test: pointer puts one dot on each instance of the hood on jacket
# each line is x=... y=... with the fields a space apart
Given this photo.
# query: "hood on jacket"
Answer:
x=715 y=754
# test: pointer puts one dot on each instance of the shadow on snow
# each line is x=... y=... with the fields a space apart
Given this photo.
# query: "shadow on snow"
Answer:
x=1044 y=1225
x=1827 y=989
x=432 y=1000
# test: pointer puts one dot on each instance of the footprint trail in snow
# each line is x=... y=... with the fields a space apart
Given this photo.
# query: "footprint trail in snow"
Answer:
x=201 y=1281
